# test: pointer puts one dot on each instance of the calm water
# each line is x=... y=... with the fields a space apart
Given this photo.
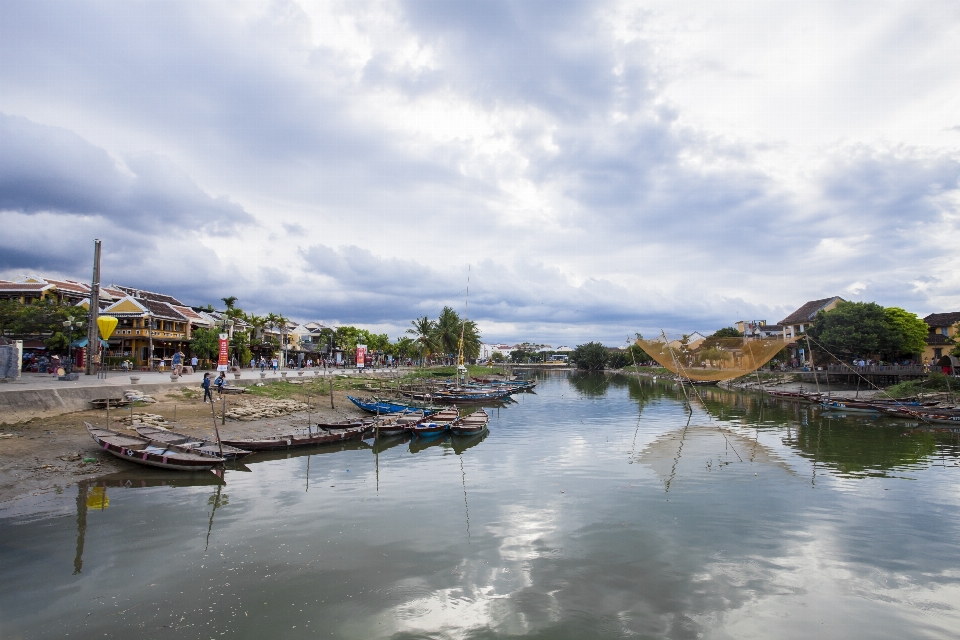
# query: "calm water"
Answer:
x=595 y=508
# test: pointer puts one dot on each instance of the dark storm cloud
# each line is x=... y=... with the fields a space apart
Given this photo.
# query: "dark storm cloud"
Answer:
x=47 y=169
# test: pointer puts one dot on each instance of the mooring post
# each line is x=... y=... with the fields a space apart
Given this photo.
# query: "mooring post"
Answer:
x=331 y=393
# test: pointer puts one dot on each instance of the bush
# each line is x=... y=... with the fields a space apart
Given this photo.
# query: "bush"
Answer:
x=592 y=356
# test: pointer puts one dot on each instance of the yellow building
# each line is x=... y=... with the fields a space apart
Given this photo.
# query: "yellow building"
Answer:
x=943 y=332
x=802 y=319
x=147 y=330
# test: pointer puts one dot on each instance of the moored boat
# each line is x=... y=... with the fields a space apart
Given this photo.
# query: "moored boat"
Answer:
x=384 y=407
x=310 y=437
x=151 y=453
x=470 y=424
x=191 y=443
x=435 y=425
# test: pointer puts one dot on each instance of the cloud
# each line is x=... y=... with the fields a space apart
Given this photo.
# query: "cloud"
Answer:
x=604 y=167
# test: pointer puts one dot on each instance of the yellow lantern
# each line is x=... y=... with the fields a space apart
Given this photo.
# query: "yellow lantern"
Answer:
x=107 y=324
x=98 y=499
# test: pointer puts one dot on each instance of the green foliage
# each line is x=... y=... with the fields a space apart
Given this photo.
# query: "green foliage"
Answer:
x=448 y=330
x=205 y=343
x=866 y=328
x=497 y=357
x=619 y=360
x=591 y=356
x=240 y=347
x=911 y=330
x=229 y=301
x=518 y=355
x=727 y=332
x=41 y=320
x=423 y=330
x=636 y=354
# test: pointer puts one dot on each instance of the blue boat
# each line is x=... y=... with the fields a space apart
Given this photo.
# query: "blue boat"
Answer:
x=384 y=407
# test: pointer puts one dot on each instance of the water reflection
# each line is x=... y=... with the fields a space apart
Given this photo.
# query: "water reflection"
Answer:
x=585 y=513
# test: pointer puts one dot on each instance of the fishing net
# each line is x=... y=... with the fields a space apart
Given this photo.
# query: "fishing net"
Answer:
x=713 y=359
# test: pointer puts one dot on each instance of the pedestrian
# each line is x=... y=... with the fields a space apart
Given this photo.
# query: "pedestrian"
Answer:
x=253 y=363
x=220 y=382
x=194 y=362
x=263 y=364
x=178 y=362
x=276 y=365
x=206 y=388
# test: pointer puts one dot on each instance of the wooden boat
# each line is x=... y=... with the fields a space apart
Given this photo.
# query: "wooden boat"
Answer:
x=190 y=443
x=401 y=423
x=470 y=424
x=384 y=407
x=435 y=425
x=150 y=453
x=315 y=436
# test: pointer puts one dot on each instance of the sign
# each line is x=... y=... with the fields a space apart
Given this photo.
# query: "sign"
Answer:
x=224 y=359
x=361 y=355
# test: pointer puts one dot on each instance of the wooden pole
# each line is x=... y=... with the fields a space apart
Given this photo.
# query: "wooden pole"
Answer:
x=108 y=414
x=93 y=336
x=213 y=412
x=223 y=415
x=331 y=393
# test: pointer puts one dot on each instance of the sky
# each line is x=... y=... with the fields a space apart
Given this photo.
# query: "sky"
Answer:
x=590 y=169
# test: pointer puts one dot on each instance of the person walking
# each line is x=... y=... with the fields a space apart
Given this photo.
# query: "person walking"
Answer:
x=206 y=388
x=263 y=364
x=194 y=362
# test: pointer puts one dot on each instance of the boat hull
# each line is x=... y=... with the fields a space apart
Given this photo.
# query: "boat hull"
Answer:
x=143 y=452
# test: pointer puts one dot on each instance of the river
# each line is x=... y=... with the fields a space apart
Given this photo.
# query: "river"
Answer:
x=600 y=506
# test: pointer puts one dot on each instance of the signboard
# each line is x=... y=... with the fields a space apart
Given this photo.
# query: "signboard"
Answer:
x=224 y=360
x=361 y=355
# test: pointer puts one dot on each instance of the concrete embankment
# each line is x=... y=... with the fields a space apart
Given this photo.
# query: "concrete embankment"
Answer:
x=20 y=405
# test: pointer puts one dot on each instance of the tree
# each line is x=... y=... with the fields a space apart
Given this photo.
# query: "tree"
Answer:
x=423 y=331
x=205 y=343
x=229 y=301
x=448 y=330
x=518 y=355
x=865 y=328
x=911 y=329
x=591 y=356
x=619 y=359
x=497 y=357
x=727 y=332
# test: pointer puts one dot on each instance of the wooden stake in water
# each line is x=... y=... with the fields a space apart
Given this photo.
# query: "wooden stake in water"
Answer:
x=108 y=414
x=331 y=393
x=223 y=415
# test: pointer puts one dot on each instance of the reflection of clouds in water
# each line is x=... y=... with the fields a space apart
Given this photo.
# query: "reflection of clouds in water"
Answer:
x=486 y=596
x=812 y=586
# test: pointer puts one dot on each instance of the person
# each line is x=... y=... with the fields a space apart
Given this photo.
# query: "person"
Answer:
x=178 y=363
x=253 y=363
x=220 y=382
x=263 y=364
x=206 y=388
x=194 y=362
x=276 y=365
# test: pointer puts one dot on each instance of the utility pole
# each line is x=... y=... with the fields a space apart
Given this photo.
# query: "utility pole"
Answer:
x=93 y=337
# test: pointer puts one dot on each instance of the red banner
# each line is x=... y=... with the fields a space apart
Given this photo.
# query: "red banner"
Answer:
x=361 y=355
x=224 y=361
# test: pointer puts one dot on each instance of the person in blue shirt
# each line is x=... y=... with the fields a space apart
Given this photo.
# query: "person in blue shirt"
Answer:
x=220 y=382
x=206 y=388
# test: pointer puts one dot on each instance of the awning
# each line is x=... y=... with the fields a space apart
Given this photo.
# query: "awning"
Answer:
x=83 y=342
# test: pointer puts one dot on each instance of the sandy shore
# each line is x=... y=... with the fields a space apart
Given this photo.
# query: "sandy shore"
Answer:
x=47 y=454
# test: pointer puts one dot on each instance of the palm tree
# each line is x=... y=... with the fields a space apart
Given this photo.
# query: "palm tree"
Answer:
x=448 y=328
x=423 y=329
x=229 y=301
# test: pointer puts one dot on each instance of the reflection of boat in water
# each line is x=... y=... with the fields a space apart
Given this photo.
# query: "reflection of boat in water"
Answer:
x=385 y=442
x=419 y=444
x=142 y=478
x=462 y=443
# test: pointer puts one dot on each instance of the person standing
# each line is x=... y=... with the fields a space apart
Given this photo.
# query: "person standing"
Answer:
x=206 y=388
x=263 y=364
x=194 y=362
x=178 y=363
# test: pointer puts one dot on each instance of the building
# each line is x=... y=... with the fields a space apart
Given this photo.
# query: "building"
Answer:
x=943 y=332
x=800 y=320
x=147 y=330
x=29 y=289
x=759 y=329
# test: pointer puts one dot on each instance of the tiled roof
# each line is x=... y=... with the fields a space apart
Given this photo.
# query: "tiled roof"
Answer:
x=16 y=286
x=147 y=295
x=807 y=312
x=942 y=319
x=70 y=285
x=162 y=310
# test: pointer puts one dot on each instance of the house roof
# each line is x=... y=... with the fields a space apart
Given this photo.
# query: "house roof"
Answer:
x=130 y=306
x=147 y=295
x=31 y=287
x=943 y=319
x=807 y=312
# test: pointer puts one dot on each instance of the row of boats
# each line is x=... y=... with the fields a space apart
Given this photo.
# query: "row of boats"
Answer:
x=161 y=448
x=926 y=411
x=477 y=391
